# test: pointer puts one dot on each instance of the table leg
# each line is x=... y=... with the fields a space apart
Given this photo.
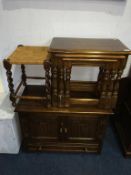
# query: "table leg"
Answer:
x=8 y=66
x=104 y=88
x=23 y=76
x=47 y=82
x=67 y=84
x=61 y=86
x=54 y=76
x=116 y=87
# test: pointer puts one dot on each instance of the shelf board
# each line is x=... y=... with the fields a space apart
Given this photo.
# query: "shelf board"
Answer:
x=39 y=105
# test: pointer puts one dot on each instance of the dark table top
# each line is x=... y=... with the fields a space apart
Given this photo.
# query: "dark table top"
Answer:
x=87 y=45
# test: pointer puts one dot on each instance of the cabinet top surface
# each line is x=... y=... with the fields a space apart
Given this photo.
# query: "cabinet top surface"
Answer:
x=87 y=45
x=29 y=55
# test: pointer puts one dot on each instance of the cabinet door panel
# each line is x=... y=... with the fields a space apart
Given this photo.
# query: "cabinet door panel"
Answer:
x=39 y=126
x=43 y=128
x=81 y=129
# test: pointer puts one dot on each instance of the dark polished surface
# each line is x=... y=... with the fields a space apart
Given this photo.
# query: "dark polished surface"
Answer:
x=87 y=44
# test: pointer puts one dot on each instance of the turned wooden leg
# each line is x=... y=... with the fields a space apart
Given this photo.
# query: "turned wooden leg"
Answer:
x=47 y=82
x=8 y=66
x=61 y=86
x=99 y=80
x=23 y=76
x=110 y=84
x=54 y=76
x=116 y=86
x=67 y=85
x=104 y=89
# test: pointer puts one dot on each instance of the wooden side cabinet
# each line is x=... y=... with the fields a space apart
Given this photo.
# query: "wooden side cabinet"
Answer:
x=65 y=132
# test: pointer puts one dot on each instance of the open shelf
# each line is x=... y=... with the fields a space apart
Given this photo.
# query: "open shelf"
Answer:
x=40 y=105
x=83 y=93
x=35 y=93
x=83 y=98
x=34 y=90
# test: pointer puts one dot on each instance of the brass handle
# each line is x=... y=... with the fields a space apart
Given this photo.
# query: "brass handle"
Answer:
x=65 y=130
x=40 y=148
x=61 y=130
x=85 y=149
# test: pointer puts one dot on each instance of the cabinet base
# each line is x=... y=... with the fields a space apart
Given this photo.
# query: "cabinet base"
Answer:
x=59 y=147
x=62 y=132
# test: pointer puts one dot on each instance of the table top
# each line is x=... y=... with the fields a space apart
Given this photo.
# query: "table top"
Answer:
x=88 y=45
x=28 y=55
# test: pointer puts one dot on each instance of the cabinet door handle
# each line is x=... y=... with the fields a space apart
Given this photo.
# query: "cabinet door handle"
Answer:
x=40 y=148
x=65 y=130
x=61 y=130
x=85 y=149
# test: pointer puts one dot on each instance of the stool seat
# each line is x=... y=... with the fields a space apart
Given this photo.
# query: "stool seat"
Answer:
x=28 y=55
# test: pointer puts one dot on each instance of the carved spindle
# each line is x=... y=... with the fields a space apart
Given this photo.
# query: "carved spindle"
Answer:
x=116 y=83
x=104 y=88
x=110 y=84
x=67 y=85
x=112 y=79
x=105 y=84
x=54 y=85
x=47 y=82
x=99 y=81
x=61 y=86
x=23 y=76
x=8 y=66
x=116 y=87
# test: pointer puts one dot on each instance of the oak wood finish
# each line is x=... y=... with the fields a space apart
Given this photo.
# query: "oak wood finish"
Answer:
x=44 y=131
x=28 y=55
x=66 y=115
x=18 y=87
x=23 y=76
x=56 y=129
x=109 y=54
x=8 y=66
x=39 y=106
x=73 y=129
x=88 y=46
x=47 y=66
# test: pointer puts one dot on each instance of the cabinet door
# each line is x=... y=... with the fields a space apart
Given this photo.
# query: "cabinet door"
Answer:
x=39 y=126
x=83 y=129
